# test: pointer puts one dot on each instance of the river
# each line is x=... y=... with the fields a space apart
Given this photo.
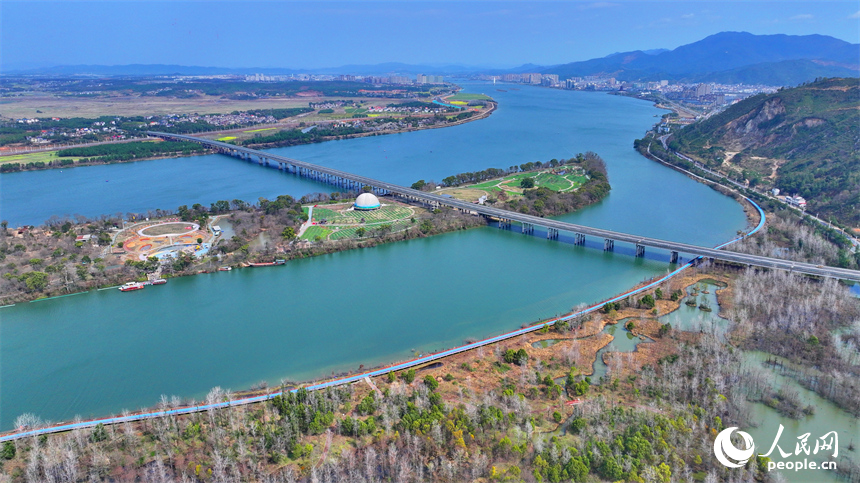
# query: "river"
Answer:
x=104 y=351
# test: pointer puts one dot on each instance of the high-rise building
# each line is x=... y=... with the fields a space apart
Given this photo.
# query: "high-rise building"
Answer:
x=703 y=90
x=532 y=78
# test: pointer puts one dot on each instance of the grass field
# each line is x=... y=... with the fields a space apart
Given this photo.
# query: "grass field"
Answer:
x=260 y=130
x=511 y=184
x=465 y=194
x=226 y=138
x=343 y=223
x=469 y=97
x=45 y=156
x=316 y=231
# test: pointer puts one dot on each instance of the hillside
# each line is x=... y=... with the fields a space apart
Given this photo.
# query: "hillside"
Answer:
x=803 y=140
x=730 y=57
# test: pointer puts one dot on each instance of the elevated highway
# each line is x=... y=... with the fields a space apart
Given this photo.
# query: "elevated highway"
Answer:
x=505 y=218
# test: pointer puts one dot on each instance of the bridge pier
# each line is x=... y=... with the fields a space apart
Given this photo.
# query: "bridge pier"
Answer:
x=551 y=234
x=579 y=239
x=673 y=258
x=528 y=228
x=608 y=244
x=640 y=250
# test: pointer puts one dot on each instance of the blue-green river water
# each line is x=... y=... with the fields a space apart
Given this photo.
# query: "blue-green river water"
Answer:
x=105 y=351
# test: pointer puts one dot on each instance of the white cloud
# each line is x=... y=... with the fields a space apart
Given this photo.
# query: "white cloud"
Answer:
x=803 y=16
x=855 y=14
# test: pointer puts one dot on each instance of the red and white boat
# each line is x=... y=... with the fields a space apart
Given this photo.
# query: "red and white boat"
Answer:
x=128 y=287
x=159 y=281
x=225 y=269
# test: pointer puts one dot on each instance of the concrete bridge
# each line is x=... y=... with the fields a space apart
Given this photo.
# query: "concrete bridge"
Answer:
x=505 y=218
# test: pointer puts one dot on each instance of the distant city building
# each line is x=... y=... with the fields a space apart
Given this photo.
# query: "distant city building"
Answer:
x=704 y=90
x=428 y=79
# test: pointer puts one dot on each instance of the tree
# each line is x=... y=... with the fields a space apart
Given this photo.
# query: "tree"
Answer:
x=431 y=382
x=8 y=451
x=648 y=301
x=35 y=281
x=408 y=376
x=526 y=183
x=361 y=231
x=289 y=233
x=99 y=433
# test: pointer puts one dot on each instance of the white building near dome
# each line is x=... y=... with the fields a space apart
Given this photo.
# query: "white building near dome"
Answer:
x=366 y=202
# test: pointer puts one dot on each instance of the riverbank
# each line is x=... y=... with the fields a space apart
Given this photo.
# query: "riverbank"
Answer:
x=251 y=396
x=544 y=390
x=58 y=164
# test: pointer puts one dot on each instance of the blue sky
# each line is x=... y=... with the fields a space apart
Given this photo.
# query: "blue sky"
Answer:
x=327 y=34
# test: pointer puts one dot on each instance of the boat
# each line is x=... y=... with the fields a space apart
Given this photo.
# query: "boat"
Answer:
x=128 y=287
x=159 y=281
x=225 y=269
x=267 y=264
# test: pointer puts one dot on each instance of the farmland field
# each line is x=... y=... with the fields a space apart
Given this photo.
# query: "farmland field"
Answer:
x=462 y=96
x=24 y=158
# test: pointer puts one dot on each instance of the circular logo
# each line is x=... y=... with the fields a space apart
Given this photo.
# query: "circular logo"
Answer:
x=723 y=447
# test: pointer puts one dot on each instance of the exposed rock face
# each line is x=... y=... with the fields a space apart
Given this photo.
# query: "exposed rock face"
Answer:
x=749 y=130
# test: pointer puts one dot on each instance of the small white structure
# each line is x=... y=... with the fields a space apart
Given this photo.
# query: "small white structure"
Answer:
x=797 y=201
x=366 y=202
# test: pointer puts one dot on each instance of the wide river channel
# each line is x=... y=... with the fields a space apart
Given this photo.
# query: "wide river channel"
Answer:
x=104 y=351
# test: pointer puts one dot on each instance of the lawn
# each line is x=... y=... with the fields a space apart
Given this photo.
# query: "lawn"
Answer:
x=462 y=96
x=316 y=231
x=555 y=182
x=344 y=224
x=260 y=130
x=227 y=138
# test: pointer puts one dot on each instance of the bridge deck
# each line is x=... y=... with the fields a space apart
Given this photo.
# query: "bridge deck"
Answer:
x=715 y=253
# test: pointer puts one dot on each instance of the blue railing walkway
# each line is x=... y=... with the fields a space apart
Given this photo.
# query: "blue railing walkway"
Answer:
x=378 y=372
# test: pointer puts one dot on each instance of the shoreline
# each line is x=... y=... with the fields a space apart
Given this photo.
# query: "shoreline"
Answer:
x=346 y=378
x=482 y=115
x=251 y=396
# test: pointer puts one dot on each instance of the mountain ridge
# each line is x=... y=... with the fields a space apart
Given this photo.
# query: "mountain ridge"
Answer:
x=716 y=56
x=802 y=140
